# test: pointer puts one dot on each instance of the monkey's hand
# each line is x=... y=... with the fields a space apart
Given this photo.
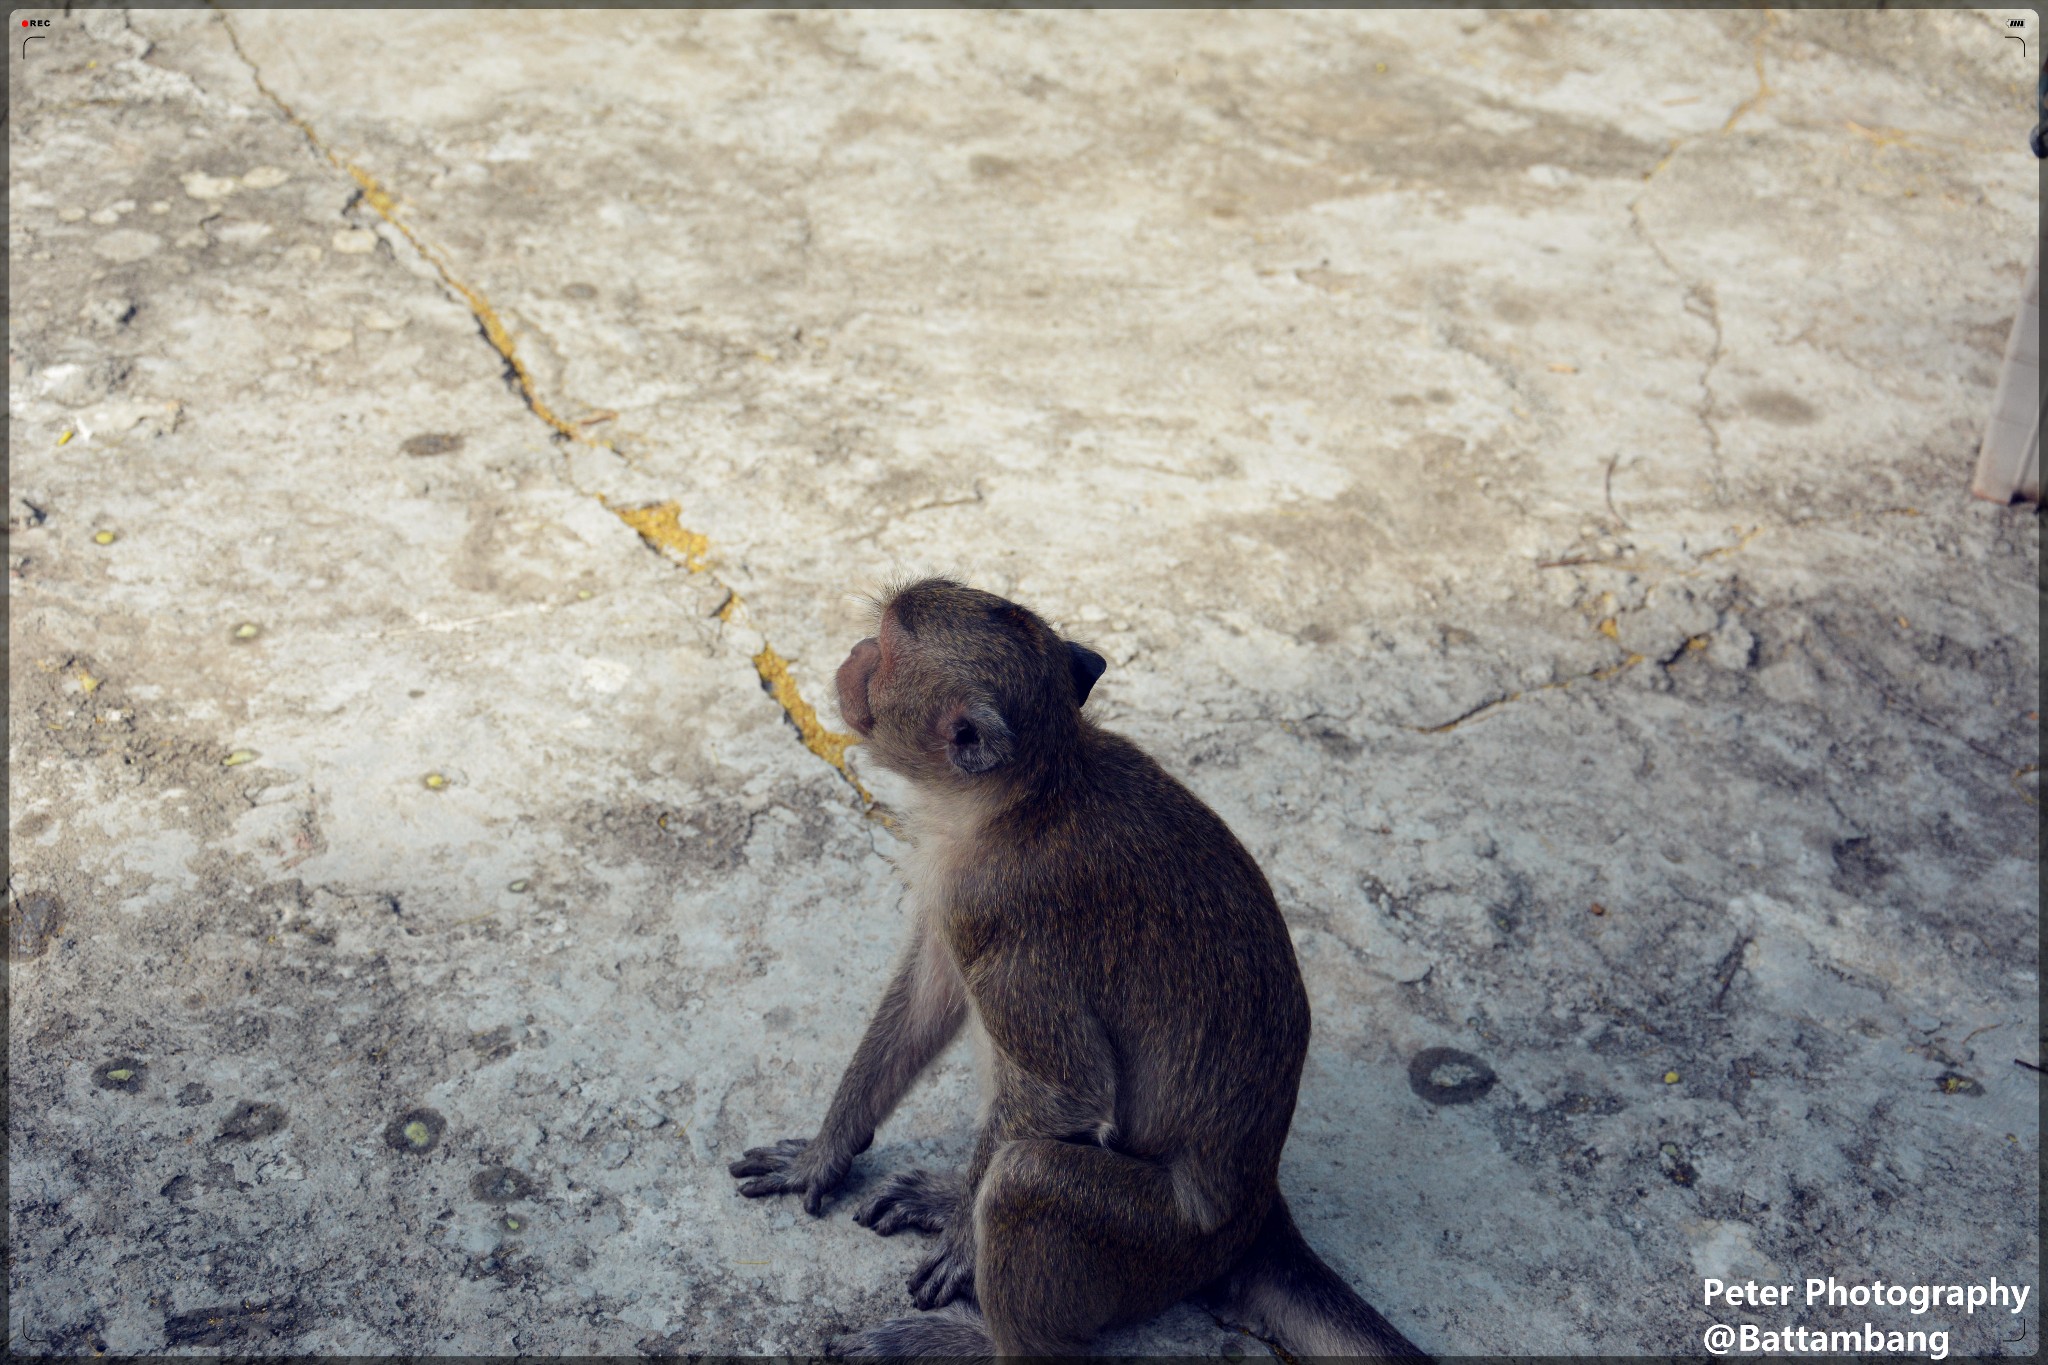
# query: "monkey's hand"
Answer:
x=927 y=1201
x=948 y=1273
x=793 y=1166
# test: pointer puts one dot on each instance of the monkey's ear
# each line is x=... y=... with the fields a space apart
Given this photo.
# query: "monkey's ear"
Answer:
x=977 y=737
x=1087 y=666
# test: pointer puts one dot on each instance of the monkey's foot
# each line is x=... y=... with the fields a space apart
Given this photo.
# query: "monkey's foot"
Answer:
x=793 y=1166
x=948 y=1273
x=957 y=1333
x=922 y=1200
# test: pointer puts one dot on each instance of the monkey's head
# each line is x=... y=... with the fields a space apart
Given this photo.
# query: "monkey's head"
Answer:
x=960 y=687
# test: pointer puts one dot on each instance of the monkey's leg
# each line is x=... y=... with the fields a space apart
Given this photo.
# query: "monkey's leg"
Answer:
x=1072 y=1238
x=923 y=1007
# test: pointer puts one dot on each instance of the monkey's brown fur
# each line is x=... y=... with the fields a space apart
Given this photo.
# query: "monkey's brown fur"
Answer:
x=1139 y=991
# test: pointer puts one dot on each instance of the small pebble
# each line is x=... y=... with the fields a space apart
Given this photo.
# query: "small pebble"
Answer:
x=104 y=538
x=1671 y=1078
x=238 y=758
x=355 y=241
x=104 y=217
x=248 y=630
x=125 y=245
x=71 y=215
x=518 y=887
x=200 y=185
x=160 y=206
x=327 y=340
x=435 y=782
x=265 y=177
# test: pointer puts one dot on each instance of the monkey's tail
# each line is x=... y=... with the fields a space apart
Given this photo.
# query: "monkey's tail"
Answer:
x=1283 y=1290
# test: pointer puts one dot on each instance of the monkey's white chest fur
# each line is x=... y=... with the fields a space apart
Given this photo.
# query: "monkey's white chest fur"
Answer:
x=942 y=847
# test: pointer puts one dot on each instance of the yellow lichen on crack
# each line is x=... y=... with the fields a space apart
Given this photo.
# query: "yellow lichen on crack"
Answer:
x=826 y=744
x=1741 y=544
x=385 y=206
x=659 y=524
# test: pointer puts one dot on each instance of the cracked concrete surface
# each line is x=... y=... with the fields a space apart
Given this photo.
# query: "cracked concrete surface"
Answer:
x=1515 y=464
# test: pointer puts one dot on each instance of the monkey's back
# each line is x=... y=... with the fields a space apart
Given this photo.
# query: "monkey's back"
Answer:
x=1132 y=888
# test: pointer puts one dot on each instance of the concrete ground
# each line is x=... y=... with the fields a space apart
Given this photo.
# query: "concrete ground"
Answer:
x=1515 y=464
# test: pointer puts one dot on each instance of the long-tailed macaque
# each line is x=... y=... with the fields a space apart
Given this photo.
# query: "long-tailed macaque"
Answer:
x=1138 y=988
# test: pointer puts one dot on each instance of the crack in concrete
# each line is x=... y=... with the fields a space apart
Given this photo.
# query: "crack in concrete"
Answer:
x=1742 y=542
x=659 y=525
x=1700 y=298
x=1893 y=700
x=380 y=200
x=1487 y=708
x=1763 y=84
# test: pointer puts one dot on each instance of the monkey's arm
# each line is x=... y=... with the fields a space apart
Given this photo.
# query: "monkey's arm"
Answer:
x=920 y=1012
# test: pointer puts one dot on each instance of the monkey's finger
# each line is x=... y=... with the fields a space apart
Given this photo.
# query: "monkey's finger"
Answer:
x=921 y=1278
x=814 y=1200
x=753 y=1163
x=883 y=1215
x=767 y=1184
x=942 y=1279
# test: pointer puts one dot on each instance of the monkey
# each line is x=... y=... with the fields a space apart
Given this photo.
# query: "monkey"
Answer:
x=1146 y=1022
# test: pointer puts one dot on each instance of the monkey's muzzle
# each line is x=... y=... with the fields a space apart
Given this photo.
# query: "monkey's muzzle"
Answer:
x=854 y=676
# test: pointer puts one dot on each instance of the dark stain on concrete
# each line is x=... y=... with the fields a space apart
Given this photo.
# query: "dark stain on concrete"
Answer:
x=500 y=1185
x=31 y=923
x=250 y=1120
x=1785 y=409
x=225 y=1324
x=433 y=443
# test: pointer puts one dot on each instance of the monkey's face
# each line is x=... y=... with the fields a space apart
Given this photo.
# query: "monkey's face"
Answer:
x=960 y=686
